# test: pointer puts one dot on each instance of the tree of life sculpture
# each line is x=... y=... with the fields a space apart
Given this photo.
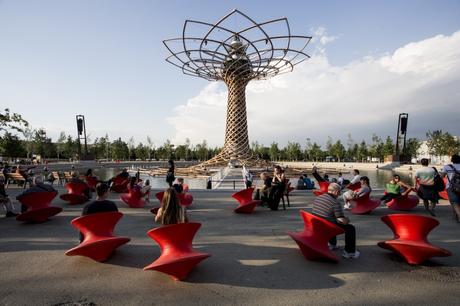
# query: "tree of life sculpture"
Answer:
x=236 y=55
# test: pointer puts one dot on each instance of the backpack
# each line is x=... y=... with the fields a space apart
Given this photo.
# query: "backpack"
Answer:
x=454 y=182
x=438 y=182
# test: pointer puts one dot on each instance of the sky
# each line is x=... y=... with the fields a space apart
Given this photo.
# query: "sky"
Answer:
x=370 y=61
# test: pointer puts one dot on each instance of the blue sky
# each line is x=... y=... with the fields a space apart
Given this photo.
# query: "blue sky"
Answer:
x=105 y=59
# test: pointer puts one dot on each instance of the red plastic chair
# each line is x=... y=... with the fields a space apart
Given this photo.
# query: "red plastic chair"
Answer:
x=322 y=188
x=364 y=205
x=99 y=241
x=406 y=202
x=134 y=198
x=177 y=257
x=247 y=204
x=38 y=206
x=75 y=193
x=410 y=238
x=313 y=240
x=119 y=185
x=185 y=199
x=354 y=186
x=91 y=181
x=443 y=194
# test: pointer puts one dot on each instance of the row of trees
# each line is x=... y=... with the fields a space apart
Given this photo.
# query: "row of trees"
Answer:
x=37 y=142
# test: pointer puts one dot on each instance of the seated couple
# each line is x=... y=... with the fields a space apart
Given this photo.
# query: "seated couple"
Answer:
x=304 y=182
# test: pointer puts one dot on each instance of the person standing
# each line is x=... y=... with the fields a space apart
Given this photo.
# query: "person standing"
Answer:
x=452 y=171
x=170 y=174
x=424 y=183
x=328 y=207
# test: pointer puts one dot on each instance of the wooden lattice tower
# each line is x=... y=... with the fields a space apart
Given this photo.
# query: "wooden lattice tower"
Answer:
x=218 y=52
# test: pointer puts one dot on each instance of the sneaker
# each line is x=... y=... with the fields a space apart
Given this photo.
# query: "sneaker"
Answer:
x=332 y=246
x=354 y=255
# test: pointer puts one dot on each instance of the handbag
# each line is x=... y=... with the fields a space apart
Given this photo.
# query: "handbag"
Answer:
x=438 y=181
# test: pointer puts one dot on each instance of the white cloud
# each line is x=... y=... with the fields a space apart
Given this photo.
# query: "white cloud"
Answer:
x=319 y=99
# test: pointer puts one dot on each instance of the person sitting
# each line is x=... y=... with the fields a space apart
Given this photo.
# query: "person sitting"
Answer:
x=395 y=189
x=179 y=185
x=76 y=180
x=353 y=195
x=356 y=178
x=133 y=185
x=309 y=184
x=171 y=212
x=328 y=207
x=340 y=180
x=5 y=200
x=89 y=173
x=301 y=183
x=263 y=192
x=146 y=190
x=36 y=186
x=101 y=204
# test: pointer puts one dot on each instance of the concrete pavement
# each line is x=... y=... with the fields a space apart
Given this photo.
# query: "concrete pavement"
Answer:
x=253 y=262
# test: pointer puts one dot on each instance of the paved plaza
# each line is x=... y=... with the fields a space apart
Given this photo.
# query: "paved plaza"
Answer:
x=253 y=261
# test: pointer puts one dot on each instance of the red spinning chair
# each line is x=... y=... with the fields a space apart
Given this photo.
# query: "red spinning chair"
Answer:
x=322 y=188
x=177 y=257
x=354 y=186
x=91 y=181
x=134 y=198
x=410 y=238
x=38 y=206
x=313 y=240
x=99 y=241
x=443 y=194
x=364 y=205
x=185 y=199
x=405 y=202
x=119 y=184
x=247 y=204
x=75 y=193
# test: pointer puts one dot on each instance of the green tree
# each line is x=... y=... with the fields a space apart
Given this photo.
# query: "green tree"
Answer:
x=274 y=152
x=28 y=133
x=11 y=121
x=315 y=152
x=181 y=152
x=11 y=146
x=131 y=148
x=70 y=147
x=120 y=149
x=43 y=144
x=388 y=147
x=376 y=148
x=293 y=151
x=412 y=146
x=142 y=151
x=338 y=150
x=60 y=144
x=440 y=143
x=362 y=151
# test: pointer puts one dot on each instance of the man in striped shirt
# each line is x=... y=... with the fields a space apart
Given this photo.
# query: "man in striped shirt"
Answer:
x=328 y=207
